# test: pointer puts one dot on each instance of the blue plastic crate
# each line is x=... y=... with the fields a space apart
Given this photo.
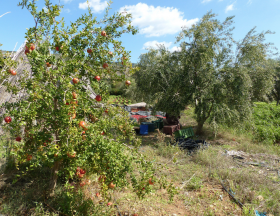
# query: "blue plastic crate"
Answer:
x=144 y=129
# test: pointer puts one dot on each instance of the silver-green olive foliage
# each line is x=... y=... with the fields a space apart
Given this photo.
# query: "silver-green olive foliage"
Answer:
x=220 y=83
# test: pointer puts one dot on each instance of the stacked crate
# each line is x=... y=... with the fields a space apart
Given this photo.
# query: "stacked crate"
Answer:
x=151 y=126
x=170 y=129
x=158 y=124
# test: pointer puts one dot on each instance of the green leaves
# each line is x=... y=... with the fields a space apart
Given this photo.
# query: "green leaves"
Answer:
x=206 y=74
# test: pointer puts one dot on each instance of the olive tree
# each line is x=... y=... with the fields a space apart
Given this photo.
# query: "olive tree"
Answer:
x=206 y=73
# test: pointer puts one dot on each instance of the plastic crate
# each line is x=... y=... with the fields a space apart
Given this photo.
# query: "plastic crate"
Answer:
x=144 y=129
x=151 y=126
x=170 y=129
x=158 y=124
x=184 y=133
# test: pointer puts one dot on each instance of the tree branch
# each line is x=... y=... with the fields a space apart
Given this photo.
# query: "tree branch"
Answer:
x=209 y=111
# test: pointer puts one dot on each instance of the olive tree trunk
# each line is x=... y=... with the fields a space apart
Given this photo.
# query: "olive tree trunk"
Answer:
x=199 y=129
x=202 y=119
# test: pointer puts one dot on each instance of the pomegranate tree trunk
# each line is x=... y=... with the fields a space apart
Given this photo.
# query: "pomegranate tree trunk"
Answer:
x=54 y=177
x=56 y=166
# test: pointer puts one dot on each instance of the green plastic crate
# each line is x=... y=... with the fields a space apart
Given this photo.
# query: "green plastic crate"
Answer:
x=184 y=133
x=158 y=124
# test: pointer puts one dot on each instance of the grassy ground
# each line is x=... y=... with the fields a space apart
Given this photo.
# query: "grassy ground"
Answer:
x=253 y=180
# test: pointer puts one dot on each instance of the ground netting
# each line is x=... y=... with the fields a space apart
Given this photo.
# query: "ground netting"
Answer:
x=190 y=144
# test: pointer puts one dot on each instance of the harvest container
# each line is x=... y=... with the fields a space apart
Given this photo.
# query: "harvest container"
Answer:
x=170 y=129
x=184 y=133
x=158 y=124
x=143 y=129
x=151 y=126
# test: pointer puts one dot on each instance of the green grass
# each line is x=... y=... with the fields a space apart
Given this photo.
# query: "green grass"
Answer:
x=266 y=117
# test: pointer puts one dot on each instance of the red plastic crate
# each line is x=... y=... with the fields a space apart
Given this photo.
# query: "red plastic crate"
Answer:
x=170 y=129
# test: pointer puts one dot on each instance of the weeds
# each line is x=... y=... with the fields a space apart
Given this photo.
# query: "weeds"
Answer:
x=195 y=183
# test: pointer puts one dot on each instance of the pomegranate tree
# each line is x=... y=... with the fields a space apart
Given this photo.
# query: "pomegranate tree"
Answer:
x=51 y=110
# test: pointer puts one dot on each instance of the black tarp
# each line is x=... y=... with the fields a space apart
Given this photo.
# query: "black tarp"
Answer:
x=190 y=144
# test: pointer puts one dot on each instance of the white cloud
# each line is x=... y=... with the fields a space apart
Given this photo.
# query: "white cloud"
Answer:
x=96 y=5
x=250 y=2
x=66 y=1
x=66 y=10
x=175 y=48
x=157 y=21
x=229 y=8
x=154 y=44
x=205 y=1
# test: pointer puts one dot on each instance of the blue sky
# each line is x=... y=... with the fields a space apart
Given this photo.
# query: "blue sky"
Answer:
x=159 y=21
